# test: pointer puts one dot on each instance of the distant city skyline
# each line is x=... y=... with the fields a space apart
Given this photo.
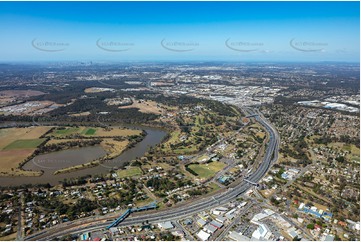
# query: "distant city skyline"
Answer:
x=180 y=31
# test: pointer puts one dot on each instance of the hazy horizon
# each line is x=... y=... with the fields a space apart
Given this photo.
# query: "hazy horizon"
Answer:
x=180 y=31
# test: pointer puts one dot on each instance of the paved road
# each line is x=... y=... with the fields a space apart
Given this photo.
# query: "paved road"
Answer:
x=19 y=234
x=224 y=197
x=235 y=221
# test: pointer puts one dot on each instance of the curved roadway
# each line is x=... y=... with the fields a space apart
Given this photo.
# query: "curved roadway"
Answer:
x=182 y=211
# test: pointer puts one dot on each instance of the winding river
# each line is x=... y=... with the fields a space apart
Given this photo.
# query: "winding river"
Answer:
x=51 y=162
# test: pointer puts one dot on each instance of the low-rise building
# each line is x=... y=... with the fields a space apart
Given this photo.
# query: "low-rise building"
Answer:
x=166 y=225
x=202 y=235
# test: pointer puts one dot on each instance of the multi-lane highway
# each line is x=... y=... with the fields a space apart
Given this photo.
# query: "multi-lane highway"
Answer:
x=181 y=211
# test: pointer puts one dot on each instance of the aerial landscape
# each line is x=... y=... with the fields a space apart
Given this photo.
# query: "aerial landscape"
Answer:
x=145 y=121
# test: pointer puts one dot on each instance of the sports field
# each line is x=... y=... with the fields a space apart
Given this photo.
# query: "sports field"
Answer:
x=207 y=170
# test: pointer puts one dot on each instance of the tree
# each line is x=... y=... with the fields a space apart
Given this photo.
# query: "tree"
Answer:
x=340 y=159
x=311 y=226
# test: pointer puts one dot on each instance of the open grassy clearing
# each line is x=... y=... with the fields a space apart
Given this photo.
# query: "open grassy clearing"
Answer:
x=80 y=114
x=307 y=190
x=16 y=144
x=187 y=150
x=8 y=237
x=63 y=132
x=24 y=144
x=144 y=106
x=113 y=147
x=261 y=135
x=116 y=131
x=9 y=162
x=9 y=135
x=207 y=170
x=129 y=172
x=214 y=187
x=89 y=131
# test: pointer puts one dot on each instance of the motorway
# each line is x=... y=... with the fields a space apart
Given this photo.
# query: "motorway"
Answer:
x=94 y=223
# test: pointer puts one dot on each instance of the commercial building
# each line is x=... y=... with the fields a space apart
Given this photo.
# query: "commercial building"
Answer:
x=166 y=225
x=202 y=235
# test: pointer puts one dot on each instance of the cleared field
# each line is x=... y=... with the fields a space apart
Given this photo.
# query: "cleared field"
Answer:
x=261 y=135
x=9 y=163
x=89 y=131
x=16 y=144
x=113 y=147
x=80 y=114
x=9 y=135
x=214 y=187
x=97 y=89
x=174 y=137
x=8 y=237
x=144 y=106
x=93 y=131
x=24 y=144
x=63 y=132
x=165 y=166
x=207 y=170
x=131 y=171
x=203 y=158
x=117 y=132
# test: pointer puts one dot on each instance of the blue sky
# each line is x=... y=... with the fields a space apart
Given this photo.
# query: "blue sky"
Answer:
x=151 y=31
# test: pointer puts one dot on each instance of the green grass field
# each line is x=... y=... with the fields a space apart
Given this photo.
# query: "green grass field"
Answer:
x=24 y=144
x=65 y=132
x=214 y=187
x=89 y=131
x=186 y=150
x=207 y=170
x=131 y=171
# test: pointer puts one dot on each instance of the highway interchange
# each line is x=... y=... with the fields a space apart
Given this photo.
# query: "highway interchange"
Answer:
x=96 y=223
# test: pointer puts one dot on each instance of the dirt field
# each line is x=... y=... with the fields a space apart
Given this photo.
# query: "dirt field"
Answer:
x=16 y=144
x=144 y=106
x=20 y=93
x=80 y=114
x=97 y=89
x=116 y=132
x=113 y=147
x=9 y=135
